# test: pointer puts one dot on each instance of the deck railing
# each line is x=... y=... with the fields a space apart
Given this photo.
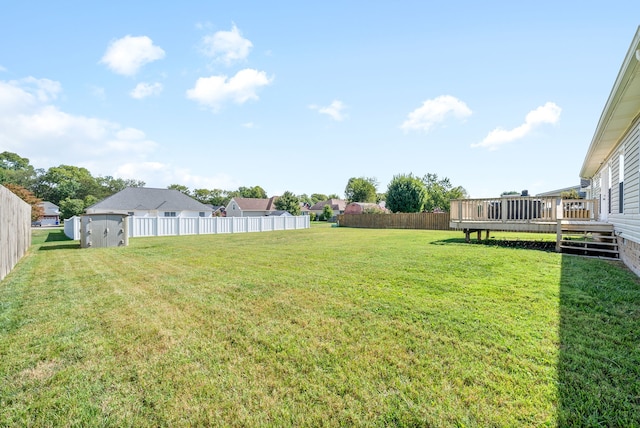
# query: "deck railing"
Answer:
x=523 y=209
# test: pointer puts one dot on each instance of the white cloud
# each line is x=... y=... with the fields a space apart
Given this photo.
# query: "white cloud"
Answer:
x=334 y=110
x=435 y=111
x=34 y=127
x=2 y=69
x=248 y=125
x=144 y=89
x=546 y=114
x=214 y=91
x=166 y=174
x=227 y=46
x=127 y=55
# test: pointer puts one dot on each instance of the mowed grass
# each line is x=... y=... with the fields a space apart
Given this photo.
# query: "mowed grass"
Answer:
x=319 y=327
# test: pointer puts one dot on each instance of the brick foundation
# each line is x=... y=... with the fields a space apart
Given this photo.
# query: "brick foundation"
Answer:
x=630 y=254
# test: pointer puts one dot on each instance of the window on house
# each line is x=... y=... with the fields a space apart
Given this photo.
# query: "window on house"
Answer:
x=130 y=213
x=169 y=213
x=201 y=213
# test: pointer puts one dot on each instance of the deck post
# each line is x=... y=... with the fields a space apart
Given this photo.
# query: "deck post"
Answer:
x=558 y=236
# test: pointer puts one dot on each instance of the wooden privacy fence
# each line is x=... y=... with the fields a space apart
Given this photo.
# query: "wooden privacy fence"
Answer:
x=430 y=221
x=174 y=226
x=15 y=230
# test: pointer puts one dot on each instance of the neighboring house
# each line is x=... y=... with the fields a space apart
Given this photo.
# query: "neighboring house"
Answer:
x=558 y=192
x=280 y=213
x=148 y=202
x=612 y=162
x=251 y=207
x=51 y=215
x=217 y=210
x=337 y=205
x=364 y=207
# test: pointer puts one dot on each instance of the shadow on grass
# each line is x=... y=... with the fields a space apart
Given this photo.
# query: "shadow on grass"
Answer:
x=506 y=243
x=68 y=246
x=55 y=235
x=46 y=239
x=599 y=358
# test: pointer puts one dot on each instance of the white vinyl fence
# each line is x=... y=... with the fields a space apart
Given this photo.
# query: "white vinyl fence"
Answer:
x=174 y=226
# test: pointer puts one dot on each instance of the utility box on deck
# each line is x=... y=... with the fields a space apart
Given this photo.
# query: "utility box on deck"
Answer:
x=104 y=230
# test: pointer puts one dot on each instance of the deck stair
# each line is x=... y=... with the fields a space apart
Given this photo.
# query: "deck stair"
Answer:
x=593 y=239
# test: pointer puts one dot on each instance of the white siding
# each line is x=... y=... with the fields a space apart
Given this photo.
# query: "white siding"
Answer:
x=632 y=172
x=614 y=183
x=626 y=224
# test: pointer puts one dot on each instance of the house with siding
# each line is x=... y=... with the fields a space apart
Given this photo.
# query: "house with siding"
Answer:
x=251 y=207
x=51 y=214
x=337 y=205
x=611 y=166
x=150 y=202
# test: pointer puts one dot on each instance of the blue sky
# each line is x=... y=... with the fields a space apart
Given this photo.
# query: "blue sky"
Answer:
x=301 y=96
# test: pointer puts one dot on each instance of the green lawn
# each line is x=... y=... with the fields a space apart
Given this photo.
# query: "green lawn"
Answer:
x=326 y=326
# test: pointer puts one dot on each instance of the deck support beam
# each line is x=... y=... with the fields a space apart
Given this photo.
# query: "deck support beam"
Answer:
x=468 y=232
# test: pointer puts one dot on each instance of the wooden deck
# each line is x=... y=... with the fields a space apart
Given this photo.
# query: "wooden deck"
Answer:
x=567 y=218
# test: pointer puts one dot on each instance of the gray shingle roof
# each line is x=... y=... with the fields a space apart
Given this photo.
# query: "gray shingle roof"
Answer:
x=145 y=198
x=256 y=204
x=335 y=204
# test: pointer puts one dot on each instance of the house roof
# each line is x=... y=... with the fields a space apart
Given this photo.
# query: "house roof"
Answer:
x=256 y=204
x=336 y=205
x=146 y=198
x=50 y=208
x=557 y=192
x=619 y=113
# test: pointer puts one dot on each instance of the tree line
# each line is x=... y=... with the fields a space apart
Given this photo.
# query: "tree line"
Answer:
x=407 y=193
x=73 y=189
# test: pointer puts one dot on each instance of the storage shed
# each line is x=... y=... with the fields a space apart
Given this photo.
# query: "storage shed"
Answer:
x=104 y=230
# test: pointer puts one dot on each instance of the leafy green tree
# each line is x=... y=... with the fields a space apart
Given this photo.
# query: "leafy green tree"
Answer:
x=66 y=181
x=220 y=197
x=17 y=170
x=89 y=200
x=406 y=194
x=203 y=196
x=37 y=211
x=327 y=212
x=570 y=194
x=109 y=185
x=288 y=202
x=252 y=192
x=318 y=197
x=440 y=193
x=361 y=189
x=71 y=207
x=304 y=198
x=509 y=193
x=331 y=196
x=180 y=188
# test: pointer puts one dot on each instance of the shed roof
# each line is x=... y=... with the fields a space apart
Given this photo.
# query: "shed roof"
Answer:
x=620 y=111
x=146 y=198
